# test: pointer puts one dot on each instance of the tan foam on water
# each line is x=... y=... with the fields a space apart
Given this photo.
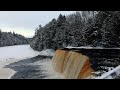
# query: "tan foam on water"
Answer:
x=6 y=73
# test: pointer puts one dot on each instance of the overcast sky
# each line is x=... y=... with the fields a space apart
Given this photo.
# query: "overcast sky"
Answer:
x=25 y=22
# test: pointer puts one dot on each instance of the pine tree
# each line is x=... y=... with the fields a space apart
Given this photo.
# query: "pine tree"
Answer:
x=110 y=29
x=0 y=33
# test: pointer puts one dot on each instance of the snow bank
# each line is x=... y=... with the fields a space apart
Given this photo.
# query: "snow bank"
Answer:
x=48 y=52
x=89 y=47
x=112 y=74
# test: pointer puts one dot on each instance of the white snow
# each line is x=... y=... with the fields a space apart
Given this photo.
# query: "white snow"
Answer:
x=89 y=47
x=97 y=72
x=48 y=52
x=86 y=47
x=108 y=74
x=18 y=52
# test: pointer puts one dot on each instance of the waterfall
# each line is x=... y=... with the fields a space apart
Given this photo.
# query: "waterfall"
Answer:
x=72 y=65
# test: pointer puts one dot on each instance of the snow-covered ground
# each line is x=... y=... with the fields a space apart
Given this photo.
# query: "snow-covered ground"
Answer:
x=16 y=53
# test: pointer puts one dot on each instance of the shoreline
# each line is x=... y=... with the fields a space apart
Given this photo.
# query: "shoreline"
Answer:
x=33 y=68
x=23 y=62
x=6 y=73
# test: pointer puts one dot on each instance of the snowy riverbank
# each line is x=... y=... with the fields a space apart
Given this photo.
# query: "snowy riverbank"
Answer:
x=12 y=54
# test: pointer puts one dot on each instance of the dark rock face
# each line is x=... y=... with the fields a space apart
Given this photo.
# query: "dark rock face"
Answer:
x=100 y=59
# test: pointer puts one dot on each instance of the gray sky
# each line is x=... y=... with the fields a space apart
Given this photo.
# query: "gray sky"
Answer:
x=25 y=22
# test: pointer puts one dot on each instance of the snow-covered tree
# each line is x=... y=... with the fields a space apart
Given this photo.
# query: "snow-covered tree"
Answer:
x=10 y=39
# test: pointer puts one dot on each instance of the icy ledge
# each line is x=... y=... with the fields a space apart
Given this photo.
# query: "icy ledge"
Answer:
x=47 y=52
x=89 y=47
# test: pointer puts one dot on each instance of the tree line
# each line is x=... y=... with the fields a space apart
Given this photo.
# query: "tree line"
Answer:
x=83 y=28
x=10 y=39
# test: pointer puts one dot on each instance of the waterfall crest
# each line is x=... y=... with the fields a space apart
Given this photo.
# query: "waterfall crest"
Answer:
x=72 y=65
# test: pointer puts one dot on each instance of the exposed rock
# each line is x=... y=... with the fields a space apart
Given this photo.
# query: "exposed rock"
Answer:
x=86 y=71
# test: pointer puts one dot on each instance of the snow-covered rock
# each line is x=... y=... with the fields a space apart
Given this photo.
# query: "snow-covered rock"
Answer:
x=48 y=52
x=112 y=74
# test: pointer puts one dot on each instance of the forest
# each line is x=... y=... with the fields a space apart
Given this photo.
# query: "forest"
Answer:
x=10 y=39
x=82 y=28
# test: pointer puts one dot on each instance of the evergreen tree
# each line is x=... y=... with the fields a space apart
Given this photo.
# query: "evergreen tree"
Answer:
x=0 y=33
x=10 y=39
x=85 y=28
